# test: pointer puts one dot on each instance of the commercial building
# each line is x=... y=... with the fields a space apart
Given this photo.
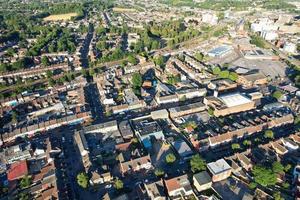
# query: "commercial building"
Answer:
x=222 y=85
x=125 y=129
x=220 y=51
x=229 y=103
x=220 y=170
x=191 y=93
x=253 y=79
x=290 y=47
x=254 y=54
x=82 y=149
x=186 y=109
x=166 y=98
x=146 y=129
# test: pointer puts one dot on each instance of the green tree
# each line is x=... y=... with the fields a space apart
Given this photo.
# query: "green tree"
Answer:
x=14 y=117
x=264 y=176
x=233 y=76
x=159 y=61
x=287 y=167
x=84 y=72
x=23 y=196
x=118 y=184
x=159 y=172
x=246 y=142
x=216 y=70
x=277 y=94
x=171 y=44
x=258 y=41
x=10 y=52
x=269 y=134
x=49 y=74
x=197 y=163
x=297 y=120
x=51 y=82
x=92 y=71
x=210 y=111
x=252 y=185
x=285 y=185
x=82 y=180
x=221 y=15
x=137 y=80
x=199 y=56
x=277 y=167
x=101 y=45
x=235 y=146
x=132 y=59
x=45 y=61
x=170 y=158
x=25 y=182
x=277 y=196
x=224 y=74
x=100 y=30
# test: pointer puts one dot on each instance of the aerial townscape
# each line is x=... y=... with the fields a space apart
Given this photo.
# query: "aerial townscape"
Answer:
x=149 y=99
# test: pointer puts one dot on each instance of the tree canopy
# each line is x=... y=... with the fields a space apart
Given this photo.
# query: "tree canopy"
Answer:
x=277 y=167
x=82 y=180
x=170 y=158
x=159 y=172
x=277 y=94
x=264 y=176
x=137 y=80
x=269 y=134
x=197 y=163
x=235 y=146
x=25 y=182
x=118 y=184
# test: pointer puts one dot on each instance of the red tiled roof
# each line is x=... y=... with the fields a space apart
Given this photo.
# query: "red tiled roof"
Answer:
x=172 y=184
x=17 y=170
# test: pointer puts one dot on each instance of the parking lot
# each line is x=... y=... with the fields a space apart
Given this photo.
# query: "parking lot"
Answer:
x=267 y=67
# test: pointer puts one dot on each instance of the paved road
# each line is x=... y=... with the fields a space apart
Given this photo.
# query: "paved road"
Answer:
x=85 y=47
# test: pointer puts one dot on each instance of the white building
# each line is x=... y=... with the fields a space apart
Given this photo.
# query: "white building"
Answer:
x=210 y=18
x=290 y=47
x=269 y=35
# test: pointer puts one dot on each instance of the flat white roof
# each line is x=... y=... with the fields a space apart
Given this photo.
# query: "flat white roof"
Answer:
x=234 y=99
x=218 y=167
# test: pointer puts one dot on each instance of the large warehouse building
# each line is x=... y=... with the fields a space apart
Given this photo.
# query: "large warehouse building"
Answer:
x=229 y=103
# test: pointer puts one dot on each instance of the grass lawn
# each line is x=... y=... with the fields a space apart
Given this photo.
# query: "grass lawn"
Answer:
x=60 y=17
x=119 y=9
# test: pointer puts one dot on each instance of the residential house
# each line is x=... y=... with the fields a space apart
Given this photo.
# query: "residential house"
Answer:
x=245 y=162
x=183 y=149
x=281 y=150
x=17 y=170
x=202 y=181
x=179 y=187
x=219 y=169
x=156 y=190
x=99 y=178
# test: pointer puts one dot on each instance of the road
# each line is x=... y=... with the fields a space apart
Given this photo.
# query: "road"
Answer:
x=93 y=98
x=86 y=46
